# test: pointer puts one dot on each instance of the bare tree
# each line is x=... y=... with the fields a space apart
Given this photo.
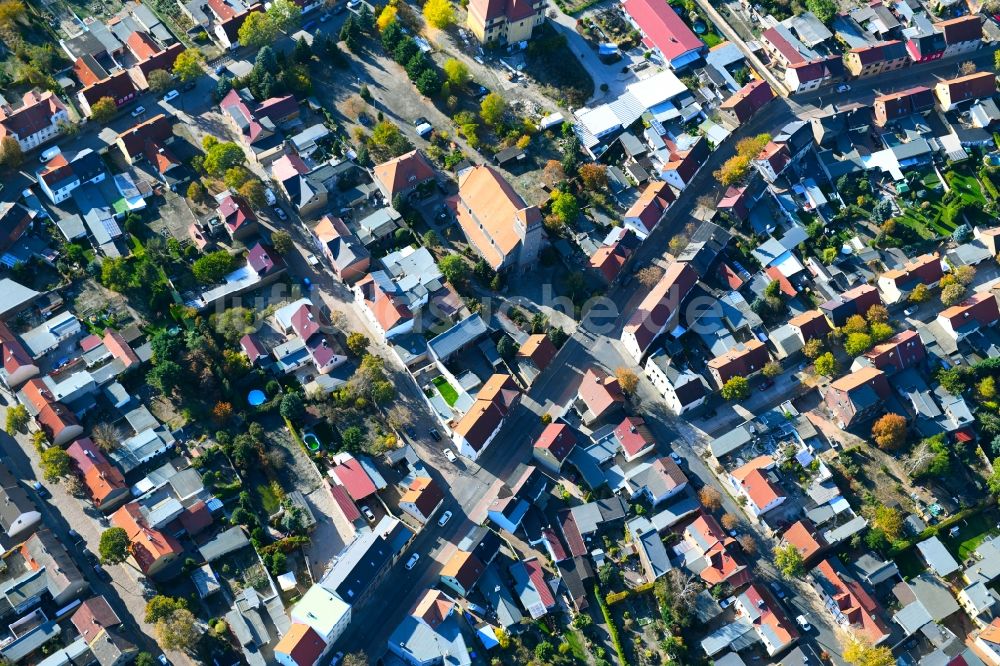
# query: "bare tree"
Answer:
x=649 y=276
x=107 y=436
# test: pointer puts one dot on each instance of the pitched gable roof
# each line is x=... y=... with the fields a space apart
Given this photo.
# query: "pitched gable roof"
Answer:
x=403 y=172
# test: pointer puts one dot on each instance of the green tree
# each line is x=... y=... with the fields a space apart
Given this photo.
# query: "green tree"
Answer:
x=544 y=652
x=826 y=365
x=920 y=294
x=492 y=109
x=159 y=80
x=212 y=267
x=428 y=82
x=772 y=369
x=114 y=545
x=789 y=561
x=456 y=73
x=17 y=418
x=103 y=110
x=286 y=15
x=144 y=659
x=565 y=207
x=431 y=239
x=889 y=520
x=196 y=192
x=11 y=155
x=55 y=464
x=857 y=343
x=178 y=631
x=387 y=141
x=358 y=343
x=188 y=65
x=439 y=13
x=954 y=380
x=736 y=388
x=303 y=52
x=292 y=407
x=222 y=156
x=506 y=348
x=162 y=606
x=881 y=332
x=813 y=348
x=454 y=269
x=355 y=659
x=952 y=294
x=258 y=30
x=165 y=376
x=282 y=242
x=253 y=192
x=353 y=438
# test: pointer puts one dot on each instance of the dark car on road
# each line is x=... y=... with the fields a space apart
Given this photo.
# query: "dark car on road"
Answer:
x=102 y=573
x=435 y=435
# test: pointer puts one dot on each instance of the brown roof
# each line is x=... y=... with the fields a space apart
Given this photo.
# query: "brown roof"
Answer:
x=741 y=360
x=600 y=391
x=539 y=349
x=746 y=101
x=856 y=379
x=495 y=209
x=812 y=323
x=972 y=86
x=302 y=644
x=804 y=537
x=120 y=349
x=118 y=86
x=968 y=28
x=142 y=45
x=147 y=544
x=424 y=493
x=651 y=204
x=558 y=439
x=15 y=356
x=465 y=568
x=94 y=615
x=492 y=405
x=661 y=302
x=157 y=129
x=34 y=115
x=403 y=172
x=512 y=10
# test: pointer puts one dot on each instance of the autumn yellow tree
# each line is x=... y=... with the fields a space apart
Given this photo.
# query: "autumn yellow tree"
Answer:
x=859 y=653
x=889 y=432
x=627 y=379
x=439 y=13
x=386 y=16
x=735 y=168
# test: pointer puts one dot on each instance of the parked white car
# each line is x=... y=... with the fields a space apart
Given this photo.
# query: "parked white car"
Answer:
x=445 y=517
x=173 y=94
x=412 y=562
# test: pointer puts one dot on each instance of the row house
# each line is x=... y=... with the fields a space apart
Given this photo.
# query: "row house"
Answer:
x=952 y=92
x=665 y=32
x=651 y=207
x=149 y=141
x=772 y=160
x=901 y=351
x=18 y=513
x=257 y=124
x=876 y=58
x=746 y=102
x=553 y=446
x=15 y=219
x=847 y=601
x=772 y=626
x=857 y=397
x=659 y=310
x=967 y=317
x=348 y=257
x=103 y=481
x=599 y=395
x=504 y=21
x=228 y=24
x=683 y=389
x=852 y=302
x=479 y=426
x=18 y=365
x=37 y=120
x=895 y=285
x=707 y=549
x=806 y=76
x=118 y=86
x=888 y=108
x=681 y=165
x=162 y=60
x=52 y=417
x=743 y=360
x=610 y=258
x=307 y=342
x=149 y=549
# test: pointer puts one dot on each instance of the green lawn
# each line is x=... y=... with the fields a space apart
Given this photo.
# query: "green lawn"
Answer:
x=711 y=39
x=575 y=644
x=909 y=563
x=970 y=535
x=446 y=390
x=268 y=500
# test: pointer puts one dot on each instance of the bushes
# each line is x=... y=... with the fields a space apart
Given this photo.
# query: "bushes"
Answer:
x=609 y=621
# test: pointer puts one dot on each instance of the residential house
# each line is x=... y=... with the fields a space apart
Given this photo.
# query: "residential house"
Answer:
x=401 y=175
x=582 y=524
x=810 y=325
x=937 y=557
x=634 y=438
x=778 y=44
x=987 y=641
x=610 y=258
x=711 y=554
x=57 y=179
x=980 y=602
x=18 y=365
x=682 y=388
x=989 y=237
x=896 y=284
x=891 y=107
x=873 y=570
x=803 y=77
x=659 y=310
x=150 y=549
x=502 y=228
x=149 y=141
x=553 y=446
x=925 y=600
x=901 y=351
x=431 y=634
x=599 y=394
x=322 y=611
x=856 y=301
x=308 y=343
x=18 y=512
x=37 y=120
x=851 y=606
x=649 y=208
x=257 y=124
x=294 y=177
x=357 y=573
x=772 y=160
x=649 y=546
x=857 y=397
x=802 y=535
x=514 y=500
x=743 y=360
x=229 y=21
x=754 y=482
x=657 y=481
x=43 y=552
x=162 y=60
x=532 y=588
x=952 y=92
x=52 y=417
x=682 y=164
x=977 y=311
x=104 y=483
x=14 y=221
x=773 y=627
x=876 y=58
x=504 y=21
x=746 y=102
x=237 y=217
x=300 y=646
x=481 y=424
x=462 y=571
x=100 y=627
x=422 y=498
x=119 y=87
x=962 y=34
x=347 y=256
x=665 y=33
x=538 y=351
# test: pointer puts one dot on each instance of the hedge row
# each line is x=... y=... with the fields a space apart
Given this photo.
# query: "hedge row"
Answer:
x=616 y=640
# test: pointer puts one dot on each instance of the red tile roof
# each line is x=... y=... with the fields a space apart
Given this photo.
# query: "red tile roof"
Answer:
x=344 y=502
x=353 y=477
x=783 y=46
x=15 y=356
x=600 y=392
x=652 y=203
x=120 y=349
x=404 y=172
x=148 y=546
x=661 y=302
x=93 y=616
x=558 y=439
x=804 y=537
x=537 y=576
x=861 y=611
x=634 y=436
x=235 y=213
x=302 y=645
x=663 y=28
x=142 y=45
x=980 y=308
x=119 y=87
x=34 y=115
x=539 y=349
x=968 y=28
x=749 y=99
